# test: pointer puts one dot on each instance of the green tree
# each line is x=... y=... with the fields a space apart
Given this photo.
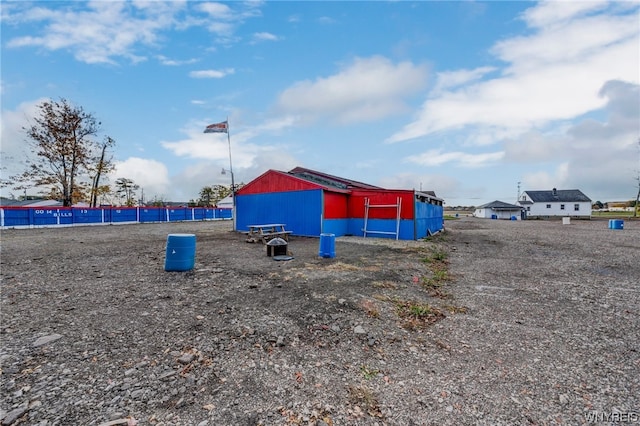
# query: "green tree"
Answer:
x=207 y=195
x=126 y=188
x=211 y=195
x=62 y=138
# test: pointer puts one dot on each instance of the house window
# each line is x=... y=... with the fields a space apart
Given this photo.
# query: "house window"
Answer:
x=561 y=206
x=528 y=208
x=548 y=206
x=576 y=207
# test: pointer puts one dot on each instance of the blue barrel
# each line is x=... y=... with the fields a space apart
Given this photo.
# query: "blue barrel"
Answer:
x=514 y=218
x=181 y=252
x=327 y=245
x=617 y=224
x=494 y=216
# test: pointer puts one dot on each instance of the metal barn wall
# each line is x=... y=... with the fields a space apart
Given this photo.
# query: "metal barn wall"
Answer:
x=381 y=197
x=335 y=219
x=300 y=211
x=382 y=219
x=356 y=226
x=429 y=219
x=275 y=181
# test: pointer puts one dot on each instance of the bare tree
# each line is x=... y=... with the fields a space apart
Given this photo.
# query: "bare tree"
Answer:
x=103 y=165
x=62 y=139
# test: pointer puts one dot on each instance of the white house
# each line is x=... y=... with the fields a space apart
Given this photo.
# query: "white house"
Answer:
x=556 y=203
x=498 y=210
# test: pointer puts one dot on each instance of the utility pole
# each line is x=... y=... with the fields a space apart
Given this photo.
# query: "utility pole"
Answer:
x=635 y=207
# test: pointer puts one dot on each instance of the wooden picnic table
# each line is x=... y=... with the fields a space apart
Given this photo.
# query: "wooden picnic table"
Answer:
x=267 y=232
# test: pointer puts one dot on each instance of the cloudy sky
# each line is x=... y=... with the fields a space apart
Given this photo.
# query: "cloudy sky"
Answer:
x=465 y=98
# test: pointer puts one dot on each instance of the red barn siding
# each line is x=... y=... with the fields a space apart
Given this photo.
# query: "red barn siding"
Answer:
x=274 y=181
x=335 y=205
x=356 y=204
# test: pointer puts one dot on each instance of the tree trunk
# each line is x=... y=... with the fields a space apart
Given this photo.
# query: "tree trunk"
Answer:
x=635 y=208
x=96 y=181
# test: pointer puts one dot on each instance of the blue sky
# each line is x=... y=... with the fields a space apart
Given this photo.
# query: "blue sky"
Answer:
x=464 y=98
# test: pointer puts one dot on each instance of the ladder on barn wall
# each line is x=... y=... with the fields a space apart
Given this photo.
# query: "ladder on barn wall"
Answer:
x=368 y=205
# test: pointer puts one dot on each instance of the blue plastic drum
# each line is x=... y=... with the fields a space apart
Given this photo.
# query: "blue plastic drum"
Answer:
x=327 y=245
x=617 y=224
x=181 y=252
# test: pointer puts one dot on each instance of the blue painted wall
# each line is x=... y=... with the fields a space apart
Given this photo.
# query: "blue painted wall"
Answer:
x=429 y=219
x=300 y=211
x=37 y=217
x=338 y=227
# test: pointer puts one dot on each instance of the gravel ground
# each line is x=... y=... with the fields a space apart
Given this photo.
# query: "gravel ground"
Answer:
x=489 y=323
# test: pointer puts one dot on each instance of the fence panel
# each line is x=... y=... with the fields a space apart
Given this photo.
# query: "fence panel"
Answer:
x=23 y=217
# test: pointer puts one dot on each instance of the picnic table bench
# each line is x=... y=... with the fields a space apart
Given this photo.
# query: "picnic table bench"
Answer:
x=265 y=233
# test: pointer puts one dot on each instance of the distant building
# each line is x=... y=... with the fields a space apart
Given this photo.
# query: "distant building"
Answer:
x=556 y=203
x=225 y=203
x=498 y=210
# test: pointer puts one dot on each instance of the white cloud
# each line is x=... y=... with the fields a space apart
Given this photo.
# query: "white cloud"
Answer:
x=15 y=148
x=554 y=12
x=151 y=175
x=173 y=62
x=543 y=180
x=101 y=32
x=211 y=73
x=436 y=157
x=599 y=157
x=451 y=79
x=553 y=74
x=264 y=36
x=216 y=10
x=367 y=89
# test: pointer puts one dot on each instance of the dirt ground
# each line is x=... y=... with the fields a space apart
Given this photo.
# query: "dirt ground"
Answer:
x=489 y=323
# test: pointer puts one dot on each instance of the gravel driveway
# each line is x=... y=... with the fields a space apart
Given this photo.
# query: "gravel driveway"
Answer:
x=490 y=323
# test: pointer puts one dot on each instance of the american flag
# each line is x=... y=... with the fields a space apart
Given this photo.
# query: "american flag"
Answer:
x=222 y=127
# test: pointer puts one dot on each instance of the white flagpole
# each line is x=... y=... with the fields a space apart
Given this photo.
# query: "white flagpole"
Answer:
x=233 y=184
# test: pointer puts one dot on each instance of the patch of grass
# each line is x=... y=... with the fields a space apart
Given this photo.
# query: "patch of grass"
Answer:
x=417 y=315
x=436 y=255
x=368 y=372
x=437 y=259
x=612 y=215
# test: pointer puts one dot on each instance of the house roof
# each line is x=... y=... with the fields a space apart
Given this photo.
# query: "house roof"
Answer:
x=557 y=195
x=328 y=180
x=499 y=205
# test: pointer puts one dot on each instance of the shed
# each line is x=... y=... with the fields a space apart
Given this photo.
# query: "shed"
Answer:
x=311 y=203
x=498 y=210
